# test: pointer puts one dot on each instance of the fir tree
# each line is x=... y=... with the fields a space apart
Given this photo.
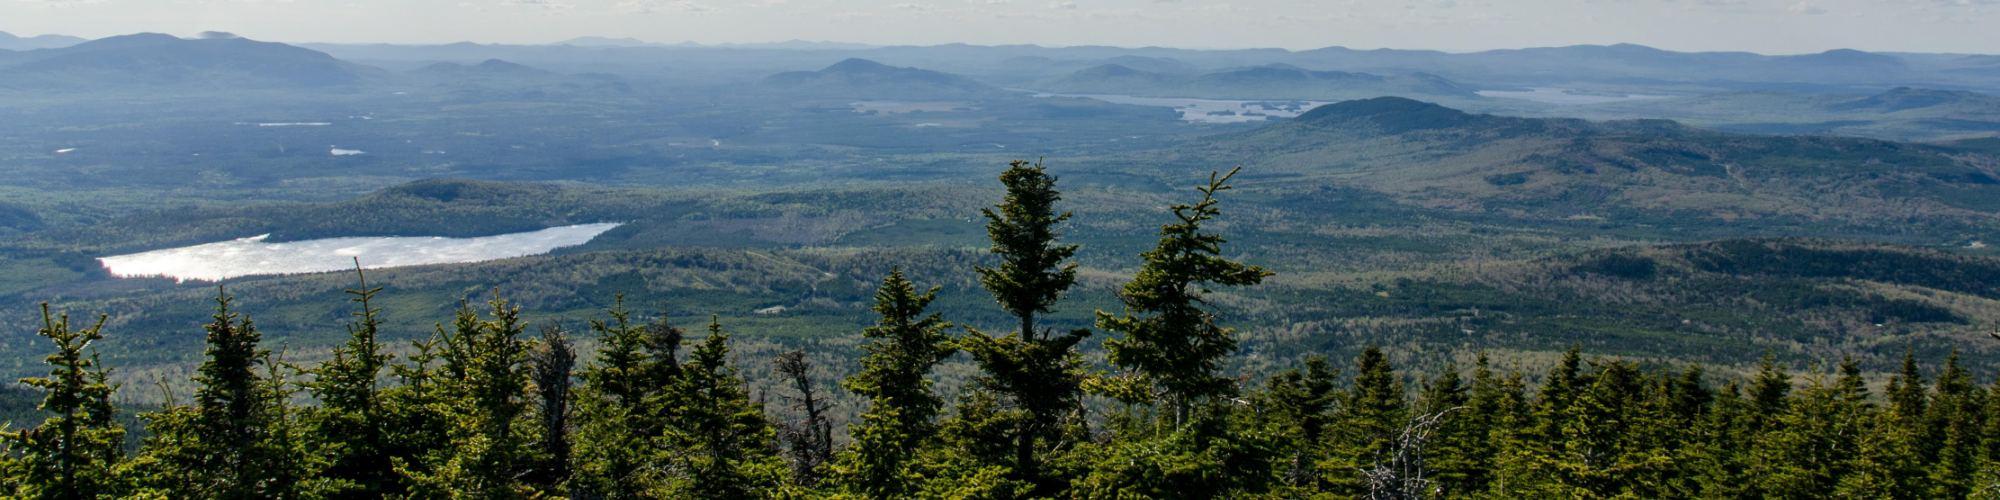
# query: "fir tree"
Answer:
x=1295 y=410
x=1956 y=420
x=1370 y=419
x=73 y=453
x=1454 y=453
x=346 y=429
x=721 y=443
x=487 y=380
x=1170 y=342
x=621 y=410
x=904 y=346
x=1038 y=371
x=227 y=445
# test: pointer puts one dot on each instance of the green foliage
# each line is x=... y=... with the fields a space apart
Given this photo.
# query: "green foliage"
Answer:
x=347 y=426
x=1169 y=341
x=73 y=453
x=721 y=445
x=485 y=377
x=1039 y=372
x=902 y=412
x=235 y=441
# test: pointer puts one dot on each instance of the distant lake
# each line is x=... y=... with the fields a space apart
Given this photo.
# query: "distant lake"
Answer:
x=255 y=256
x=1551 y=95
x=1211 y=110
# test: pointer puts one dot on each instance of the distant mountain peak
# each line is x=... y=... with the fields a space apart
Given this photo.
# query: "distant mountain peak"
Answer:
x=858 y=65
x=494 y=67
x=600 y=41
x=160 y=60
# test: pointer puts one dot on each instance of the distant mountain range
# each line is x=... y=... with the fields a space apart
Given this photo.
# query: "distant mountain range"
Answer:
x=865 y=78
x=1274 y=81
x=1638 y=171
x=9 y=41
x=152 y=60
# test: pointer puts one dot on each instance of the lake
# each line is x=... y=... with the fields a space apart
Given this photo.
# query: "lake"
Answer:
x=1548 y=95
x=1210 y=110
x=255 y=256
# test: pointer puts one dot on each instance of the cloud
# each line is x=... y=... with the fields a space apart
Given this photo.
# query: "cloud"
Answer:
x=1805 y=7
x=555 y=5
x=656 y=6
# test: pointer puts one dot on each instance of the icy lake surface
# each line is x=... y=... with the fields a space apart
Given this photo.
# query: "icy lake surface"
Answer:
x=255 y=256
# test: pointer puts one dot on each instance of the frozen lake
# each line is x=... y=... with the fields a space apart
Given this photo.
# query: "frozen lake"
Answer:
x=255 y=256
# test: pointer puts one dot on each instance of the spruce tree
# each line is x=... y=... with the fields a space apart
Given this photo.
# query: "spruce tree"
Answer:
x=347 y=428
x=228 y=444
x=1038 y=371
x=486 y=379
x=1453 y=454
x=721 y=443
x=1370 y=418
x=904 y=346
x=73 y=453
x=1170 y=342
x=1956 y=420
x=1816 y=442
x=1295 y=411
x=621 y=410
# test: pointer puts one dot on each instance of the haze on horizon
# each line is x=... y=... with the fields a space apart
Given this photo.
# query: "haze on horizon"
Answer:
x=1767 y=26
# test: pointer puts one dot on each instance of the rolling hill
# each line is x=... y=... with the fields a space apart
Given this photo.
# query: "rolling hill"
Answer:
x=163 y=61
x=9 y=41
x=865 y=78
x=1625 y=172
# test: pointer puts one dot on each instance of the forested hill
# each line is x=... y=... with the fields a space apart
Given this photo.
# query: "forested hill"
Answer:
x=1627 y=172
x=483 y=407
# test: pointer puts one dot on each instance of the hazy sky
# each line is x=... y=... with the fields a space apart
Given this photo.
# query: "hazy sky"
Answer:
x=1771 y=26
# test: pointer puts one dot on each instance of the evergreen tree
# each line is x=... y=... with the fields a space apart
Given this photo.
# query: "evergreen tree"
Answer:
x=1893 y=454
x=486 y=379
x=1170 y=342
x=414 y=412
x=1370 y=419
x=721 y=444
x=346 y=429
x=228 y=445
x=1038 y=371
x=1816 y=442
x=73 y=453
x=1295 y=410
x=905 y=345
x=621 y=409
x=1956 y=420
x=1453 y=455
x=1467 y=446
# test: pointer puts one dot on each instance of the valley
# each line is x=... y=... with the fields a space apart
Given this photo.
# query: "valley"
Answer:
x=774 y=189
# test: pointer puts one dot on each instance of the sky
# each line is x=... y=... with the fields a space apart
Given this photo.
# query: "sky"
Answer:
x=1767 y=26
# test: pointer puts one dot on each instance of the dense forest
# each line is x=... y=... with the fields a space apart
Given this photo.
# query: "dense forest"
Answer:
x=485 y=409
